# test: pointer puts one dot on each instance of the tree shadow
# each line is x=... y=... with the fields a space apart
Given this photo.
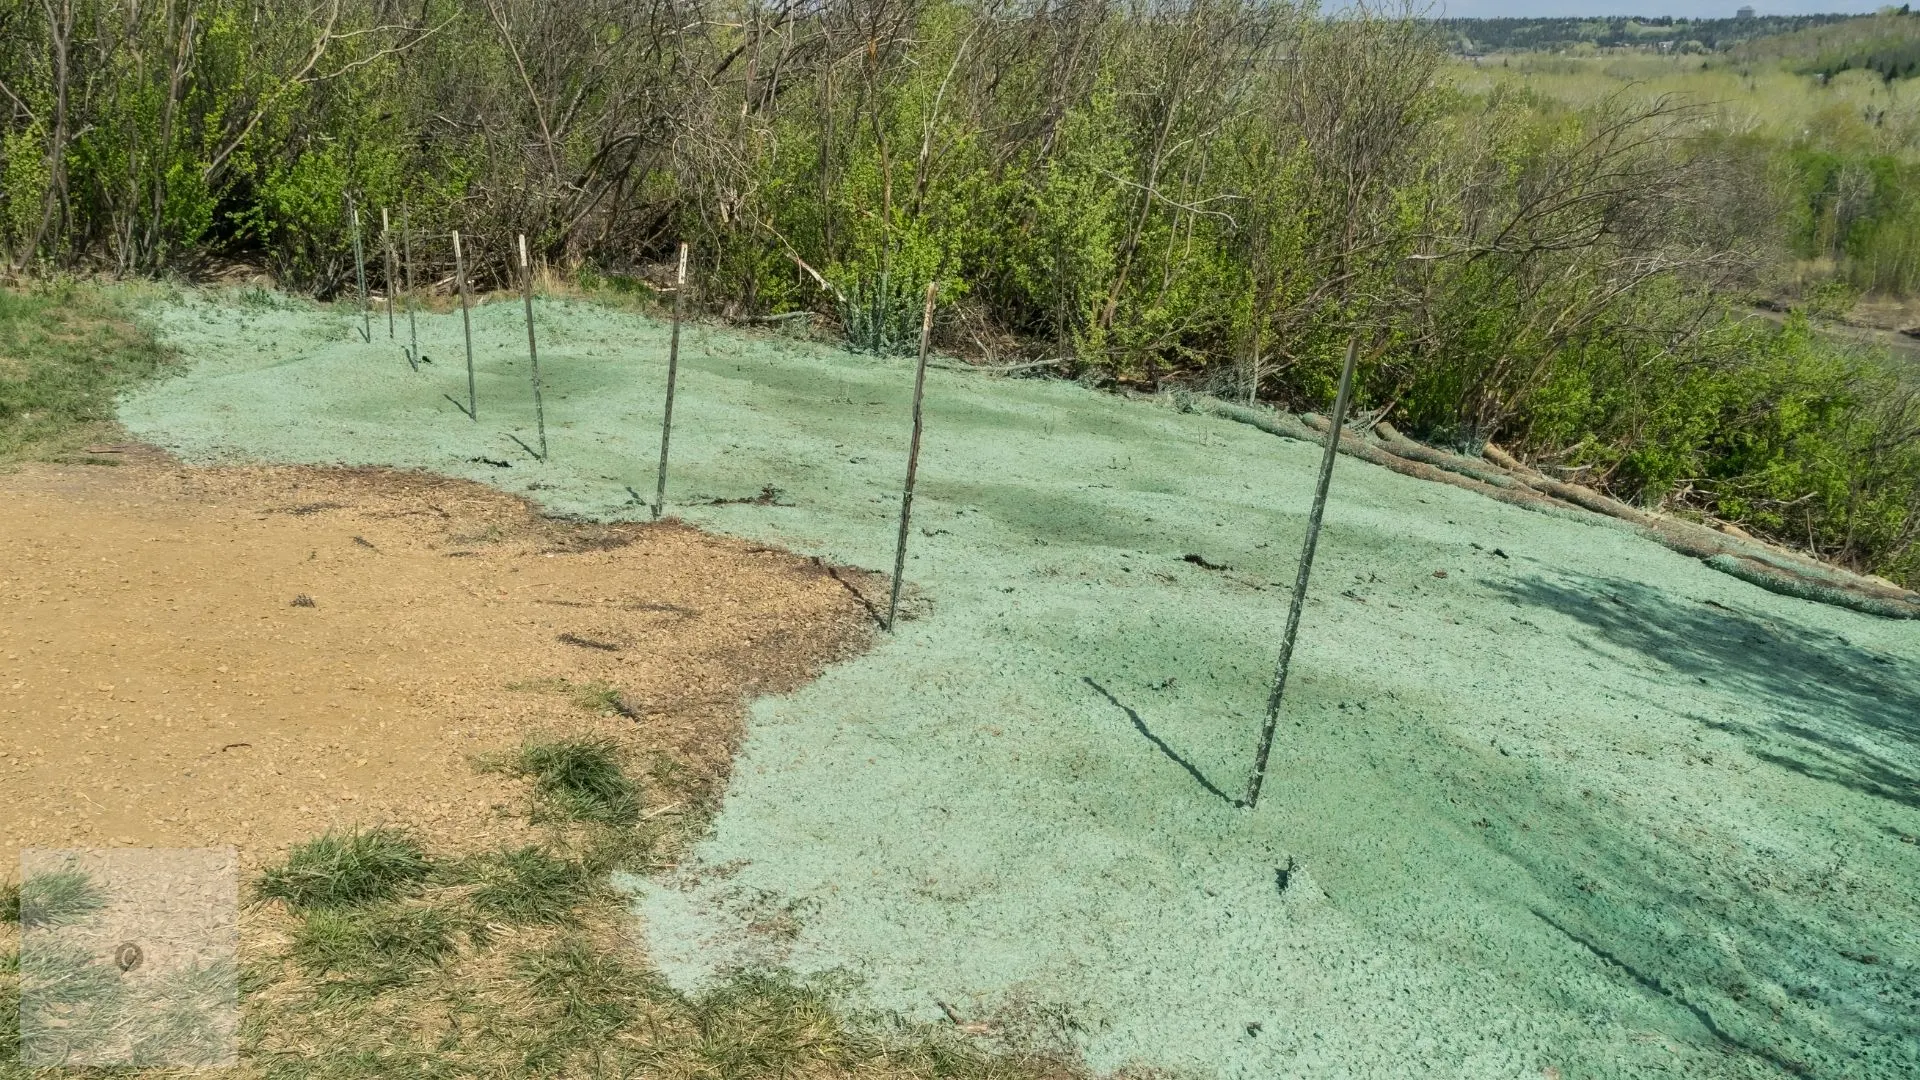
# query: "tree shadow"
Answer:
x=1161 y=745
x=1839 y=712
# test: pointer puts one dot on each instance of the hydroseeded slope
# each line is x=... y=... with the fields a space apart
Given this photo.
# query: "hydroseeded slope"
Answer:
x=1547 y=796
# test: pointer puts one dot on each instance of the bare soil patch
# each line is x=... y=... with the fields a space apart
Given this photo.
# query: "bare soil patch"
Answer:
x=250 y=656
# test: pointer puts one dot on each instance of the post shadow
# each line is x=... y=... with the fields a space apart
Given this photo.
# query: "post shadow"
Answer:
x=1161 y=745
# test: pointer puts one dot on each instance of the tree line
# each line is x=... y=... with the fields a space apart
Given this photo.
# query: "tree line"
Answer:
x=1557 y=33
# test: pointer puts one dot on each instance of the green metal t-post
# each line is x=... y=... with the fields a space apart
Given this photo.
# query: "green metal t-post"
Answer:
x=913 y=456
x=673 y=375
x=466 y=325
x=360 y=272
x=1300 y=579
x=533 y=354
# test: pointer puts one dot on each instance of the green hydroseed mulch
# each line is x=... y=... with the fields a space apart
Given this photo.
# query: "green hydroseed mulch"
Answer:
x=1581 y=803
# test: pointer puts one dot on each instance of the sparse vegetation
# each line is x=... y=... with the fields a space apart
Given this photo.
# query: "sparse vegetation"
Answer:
x=364 y=950
x=579 y=780
x=56 y=898
x=532 y=885
x=65 y=350
x=350 y=869
x=515 y=963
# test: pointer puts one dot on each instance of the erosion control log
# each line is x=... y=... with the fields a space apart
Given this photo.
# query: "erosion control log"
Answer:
x=1504 y=478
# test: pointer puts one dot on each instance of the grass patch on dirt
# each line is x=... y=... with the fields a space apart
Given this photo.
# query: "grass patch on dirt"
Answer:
x=347 y=870
x=532 y=885
x=386 y=960
x=53 y=899
x=578 y=780
x=360 y=952
x=519 y=963
x=65 y=351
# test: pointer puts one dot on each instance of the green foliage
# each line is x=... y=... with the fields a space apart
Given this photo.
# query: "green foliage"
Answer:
x=579 y=780
x=1831 y=300
x=1886 y=44
x=1861 y=209
x=65 y=350
x=1214 y=194
x=1773 y=428
x=342 y=870
x=1618 y=32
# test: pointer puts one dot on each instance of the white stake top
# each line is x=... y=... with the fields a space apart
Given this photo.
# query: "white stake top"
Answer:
x=523 y=250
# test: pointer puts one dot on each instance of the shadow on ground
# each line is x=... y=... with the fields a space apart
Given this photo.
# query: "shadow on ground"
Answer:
x=1841 y=713
x=1768 y=952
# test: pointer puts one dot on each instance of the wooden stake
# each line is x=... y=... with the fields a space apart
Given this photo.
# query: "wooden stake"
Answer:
x=673 y=372
x=406 y=247
x=466 y=324
x=1300 y=580
x=913 y=456
x=533 y=354
x=360 y=272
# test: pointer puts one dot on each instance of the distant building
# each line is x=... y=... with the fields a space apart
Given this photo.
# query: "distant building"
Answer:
x=1744 y=13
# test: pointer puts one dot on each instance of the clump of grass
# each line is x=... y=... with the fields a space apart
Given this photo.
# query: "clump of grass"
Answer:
x=580 y=780
x=767 y=1023
x=350 y=869
x=585 y=996
x=371 y=950
x=598 y=697
x=594 y=697
x=9 y=902
x=531 y=885
x=65 y=350
x=55 y=898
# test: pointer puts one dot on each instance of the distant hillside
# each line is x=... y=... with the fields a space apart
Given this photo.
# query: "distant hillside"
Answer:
x=1887 y=45
x=1474 y=36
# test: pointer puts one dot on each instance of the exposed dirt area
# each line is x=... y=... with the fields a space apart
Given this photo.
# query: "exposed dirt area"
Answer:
x=196 y=657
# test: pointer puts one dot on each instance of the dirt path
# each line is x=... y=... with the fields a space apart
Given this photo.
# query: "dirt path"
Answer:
x=248 y=656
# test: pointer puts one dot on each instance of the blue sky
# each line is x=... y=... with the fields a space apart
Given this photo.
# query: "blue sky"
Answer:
x=1692 y=9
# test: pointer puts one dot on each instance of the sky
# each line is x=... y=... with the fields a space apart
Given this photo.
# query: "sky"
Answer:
x=1692 y=9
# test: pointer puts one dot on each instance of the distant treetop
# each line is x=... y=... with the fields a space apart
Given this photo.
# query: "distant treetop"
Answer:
x=1473 y=37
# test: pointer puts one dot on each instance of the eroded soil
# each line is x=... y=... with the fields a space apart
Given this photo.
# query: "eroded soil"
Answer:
x=199 y=657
